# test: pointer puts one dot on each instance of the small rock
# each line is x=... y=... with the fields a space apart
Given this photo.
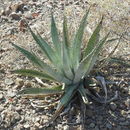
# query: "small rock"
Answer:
x=113 y=106
x=32 y=128
x=28 y=84
x=109 y=126
x=18 y=109
x=4 y=18
x=1 y=96
x=17 y=116
x=123 y=112
x=28 y=15
x=26 y=126
x=127 y=102
x=92 y=125
x=22 y=25
x=15 y=16
x=6 y=12
x=11 y=93
x=17 y=7
x=66 y=127
x=1 y=108
x=19 y=82
x=8 y=81
x=37 y=124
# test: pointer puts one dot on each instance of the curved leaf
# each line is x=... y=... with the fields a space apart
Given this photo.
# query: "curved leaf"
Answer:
x=46 y=68
x=48 y=51
x=42 y=91
x=67 y=63
x=34 y=73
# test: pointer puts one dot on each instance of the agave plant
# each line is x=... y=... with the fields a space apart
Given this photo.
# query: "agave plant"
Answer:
x=68 y=66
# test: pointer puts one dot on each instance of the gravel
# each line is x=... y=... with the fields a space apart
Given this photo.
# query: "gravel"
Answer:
x=16 y=112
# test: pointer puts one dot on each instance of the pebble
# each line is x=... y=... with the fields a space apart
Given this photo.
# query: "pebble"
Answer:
x=9 y=81
x=11 y=93
x=66 y=127
x=19 y=82
x=1 y=96
x=28 y=16
x=92 y=125
x=113 y=106
x=127 y=102
x=59 y=126
x=123 y=112
x=109 y=126
x=15 y=16
x=37 y=124
x=17 y=116
x=18 y=109
x=26 y=126
x=1 y=108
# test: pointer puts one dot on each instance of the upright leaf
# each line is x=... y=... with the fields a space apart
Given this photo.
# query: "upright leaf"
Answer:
x=94 y=39
x=55 y=38
x=76 y=45
x=65 y=33
x=88 y=62
x=66 y=53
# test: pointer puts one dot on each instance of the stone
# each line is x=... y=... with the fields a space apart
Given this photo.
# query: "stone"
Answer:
x=6 y=12
x=92 y=125
x=1 y=96
x=17 y=7
x=37 y=124
x=9 y=81
x=66 y=127
x=28 y=16
x=15 y=16
x=113 y=106
x=19 y=82
x=18 y=109
x=26 y=126
x=127 y=102
x=1 y=108
x=11 y=93
x=17 y=116
x=109 y=126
